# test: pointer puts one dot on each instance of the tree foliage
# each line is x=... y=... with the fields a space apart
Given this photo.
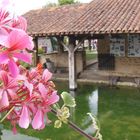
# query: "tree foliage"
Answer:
x=63 y=2
x=50 y=5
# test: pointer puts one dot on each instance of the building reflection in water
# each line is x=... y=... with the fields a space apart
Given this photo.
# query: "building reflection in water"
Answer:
x=93 y=102
x=93 y=105
x=72 y=109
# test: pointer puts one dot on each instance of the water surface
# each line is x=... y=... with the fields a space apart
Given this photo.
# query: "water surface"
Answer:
x=118 y=110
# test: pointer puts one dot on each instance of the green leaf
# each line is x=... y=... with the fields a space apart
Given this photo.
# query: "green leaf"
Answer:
x=68 y=99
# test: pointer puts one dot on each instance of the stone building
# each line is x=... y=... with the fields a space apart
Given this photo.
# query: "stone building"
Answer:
x=114 y=23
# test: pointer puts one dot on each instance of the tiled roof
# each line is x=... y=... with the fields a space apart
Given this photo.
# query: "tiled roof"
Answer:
x=110 y=16
x=97 y=17
x=52 y=20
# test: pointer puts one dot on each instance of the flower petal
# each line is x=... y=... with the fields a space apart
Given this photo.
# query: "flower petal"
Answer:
x=4 y=57
x=14 y=130
x=53 y=98
x=4 y=77
x=31 y=46
x=26 y=57
x=42 y=90
x=4 y=102
x=29 y=86
x=46 y=75
x=3 y=36
x=12 y=82
x=13 y=68
x=1 y=92
x=24 y=120
x=18 y=40
x=38 y=122
x=12 y=94
x=20 y=23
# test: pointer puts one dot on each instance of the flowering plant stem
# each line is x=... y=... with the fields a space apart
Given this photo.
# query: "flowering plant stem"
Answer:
x=76 y=128
x=7 y=114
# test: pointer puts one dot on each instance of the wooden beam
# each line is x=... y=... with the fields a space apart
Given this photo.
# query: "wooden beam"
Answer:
x=72 y=65
x=71 y=48
x=80 y=43
x=61 y=46
x=35 y=40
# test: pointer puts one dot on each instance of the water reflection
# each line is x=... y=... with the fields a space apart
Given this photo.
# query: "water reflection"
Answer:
x=93 y=106
x=93 y=102
x=73 y=93
x=118 y=111
x=8 y=135
x=72 y=109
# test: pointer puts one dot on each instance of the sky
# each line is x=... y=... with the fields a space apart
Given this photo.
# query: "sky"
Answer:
x=22 y=6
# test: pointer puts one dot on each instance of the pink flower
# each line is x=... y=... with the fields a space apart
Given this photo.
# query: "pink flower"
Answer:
x=29 y=86
x=24 y=120
x=4 y=102
x=8 y=88
x=4 y=20
x=5 y=16
x=38 y=120
x=14 y=48
x=28 y=95
x=14 y=130
x=46 y=75
x=53 y=98
x=20 y=23
x=43 y=90
x=49 y=98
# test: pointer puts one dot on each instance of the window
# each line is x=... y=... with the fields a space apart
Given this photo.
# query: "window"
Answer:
x=134 y=45
x=117 y=46
x=45 y=45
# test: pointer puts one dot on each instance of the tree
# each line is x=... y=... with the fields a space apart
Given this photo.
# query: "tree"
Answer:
x=63 y=2
x=50 y=5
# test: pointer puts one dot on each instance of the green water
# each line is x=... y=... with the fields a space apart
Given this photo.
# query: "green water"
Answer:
x=118 y=110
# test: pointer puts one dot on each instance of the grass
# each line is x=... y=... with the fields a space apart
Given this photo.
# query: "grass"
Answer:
x=91 y=55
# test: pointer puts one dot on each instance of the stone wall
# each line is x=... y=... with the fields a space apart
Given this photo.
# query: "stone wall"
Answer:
x=61 y=60
x=127 y=66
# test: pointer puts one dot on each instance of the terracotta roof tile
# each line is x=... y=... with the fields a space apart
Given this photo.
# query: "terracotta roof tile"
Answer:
x=110 y=16
x=53 y=20
x=99 y=16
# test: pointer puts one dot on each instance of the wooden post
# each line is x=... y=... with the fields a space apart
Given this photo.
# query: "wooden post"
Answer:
x=35 y=51
x=71 y=48
x=61 y=47
x=89 y=43
x=72 y=65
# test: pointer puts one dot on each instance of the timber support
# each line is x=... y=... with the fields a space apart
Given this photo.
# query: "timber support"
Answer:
x=71 y=48
x=72 y=64
x=35 y=40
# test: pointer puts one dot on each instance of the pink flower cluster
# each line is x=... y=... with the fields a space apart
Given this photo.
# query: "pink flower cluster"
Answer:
x=28 y=94
x=14 y=41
